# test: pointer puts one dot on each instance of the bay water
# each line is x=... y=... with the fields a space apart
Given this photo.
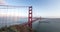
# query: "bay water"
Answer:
x=46 y=25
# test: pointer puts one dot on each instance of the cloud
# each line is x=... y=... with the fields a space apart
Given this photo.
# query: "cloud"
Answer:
x=2 y=2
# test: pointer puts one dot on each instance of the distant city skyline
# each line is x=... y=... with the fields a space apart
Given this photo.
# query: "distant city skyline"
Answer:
x=44 y=8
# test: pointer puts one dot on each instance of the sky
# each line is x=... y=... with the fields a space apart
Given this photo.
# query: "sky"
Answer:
x=44 y=8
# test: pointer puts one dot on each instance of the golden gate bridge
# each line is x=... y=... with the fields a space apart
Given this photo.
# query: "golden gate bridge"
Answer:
x=30 y=16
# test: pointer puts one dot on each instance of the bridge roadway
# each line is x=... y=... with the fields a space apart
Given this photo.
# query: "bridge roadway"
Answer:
x=25 y=24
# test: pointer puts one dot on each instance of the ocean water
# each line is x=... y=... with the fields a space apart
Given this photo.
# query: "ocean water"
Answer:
x=8 y=22
x=44 y=25
x=47 y=25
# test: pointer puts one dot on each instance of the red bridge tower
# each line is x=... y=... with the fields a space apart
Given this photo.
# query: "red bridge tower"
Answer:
x=30 y=17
